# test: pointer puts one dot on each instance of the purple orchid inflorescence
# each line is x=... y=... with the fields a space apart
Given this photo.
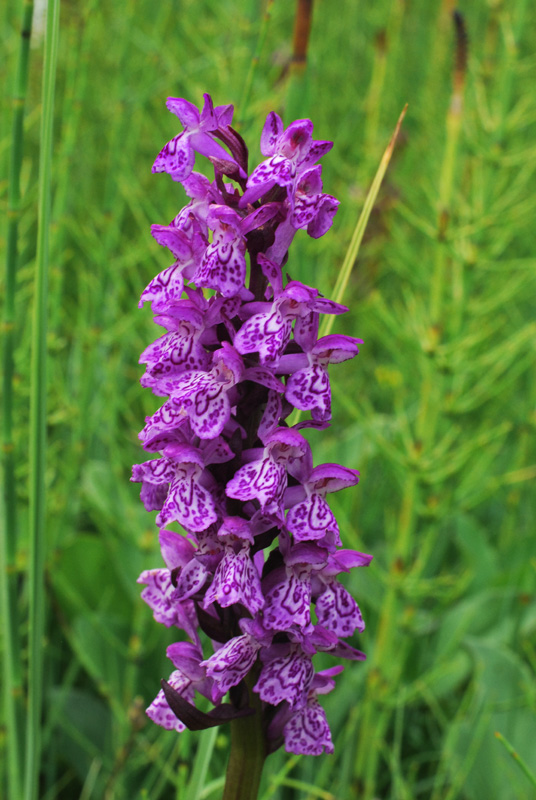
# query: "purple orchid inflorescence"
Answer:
x=256 y=568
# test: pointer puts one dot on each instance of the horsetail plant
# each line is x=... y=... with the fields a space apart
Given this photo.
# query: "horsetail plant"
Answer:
x=259 y=542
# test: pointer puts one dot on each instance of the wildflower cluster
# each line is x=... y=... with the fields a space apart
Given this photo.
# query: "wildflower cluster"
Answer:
x=260 y=546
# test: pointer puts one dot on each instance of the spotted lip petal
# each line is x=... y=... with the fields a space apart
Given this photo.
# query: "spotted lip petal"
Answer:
x=236 y=581
x=174 y=353
x=337 y=611
x=201 y=396
x=267 y=333
x=165 y=288
x=159 y=710
x=176 y=158
x=311 y=520
x=286 y=675
x=232 y=662
x=186 y=501
x=161 y=597
x=224 y=264
x=309 y=390
x=191 y=579
x=263 y=480
x=307 y=731
x=287 y=602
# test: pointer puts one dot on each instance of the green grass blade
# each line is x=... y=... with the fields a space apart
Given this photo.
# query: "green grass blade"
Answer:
x=8 y=527
x=205 y=746
x=357 y=237
x=38 y=417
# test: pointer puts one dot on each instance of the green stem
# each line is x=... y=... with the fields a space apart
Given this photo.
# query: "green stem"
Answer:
x=36 y=559
x=248 y=753
x=8 y=530
x=515 y=755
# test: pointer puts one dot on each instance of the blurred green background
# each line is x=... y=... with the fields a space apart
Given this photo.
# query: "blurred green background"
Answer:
x=437 y=412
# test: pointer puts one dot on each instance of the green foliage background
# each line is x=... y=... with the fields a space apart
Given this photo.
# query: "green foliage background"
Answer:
x=437 y=412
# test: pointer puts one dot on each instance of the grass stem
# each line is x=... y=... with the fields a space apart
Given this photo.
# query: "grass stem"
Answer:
x=8 y=528
x=38 y=393
x=517 y=758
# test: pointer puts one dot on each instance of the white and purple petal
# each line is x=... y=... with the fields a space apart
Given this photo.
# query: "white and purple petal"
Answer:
x=224 y=266
x=166 y=288
x=176 y=158
x=188 y=503
x=287 y=594
x=285 y=677
x=236 y=581
x=309 y=390
x=263 y=480
x=307 y=731
x=159 y=710
x=267 y=333
x=311 y=519
x=232 y=662
x=337 y=611
x=161 y=596
x=191 y=579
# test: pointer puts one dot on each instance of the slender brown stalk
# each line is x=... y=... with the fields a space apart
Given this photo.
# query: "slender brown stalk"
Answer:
x=302 y=30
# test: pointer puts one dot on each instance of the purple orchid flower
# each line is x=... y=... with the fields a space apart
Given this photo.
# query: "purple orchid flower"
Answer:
x=178 y=156
x=288 y=588
x=202 y=396
x=173 y=485
x=255 y=577
x=308 y=387
x=236 y=580
x=305 y=729
x=187 y=678
x=269 y=332
x=179 y=350
x=224 y=263
x=336 y=609
x=167 y=287
x=306 y=207
x=265 y=479
x=290 y=151
x=311 y=518
x=233 y=661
